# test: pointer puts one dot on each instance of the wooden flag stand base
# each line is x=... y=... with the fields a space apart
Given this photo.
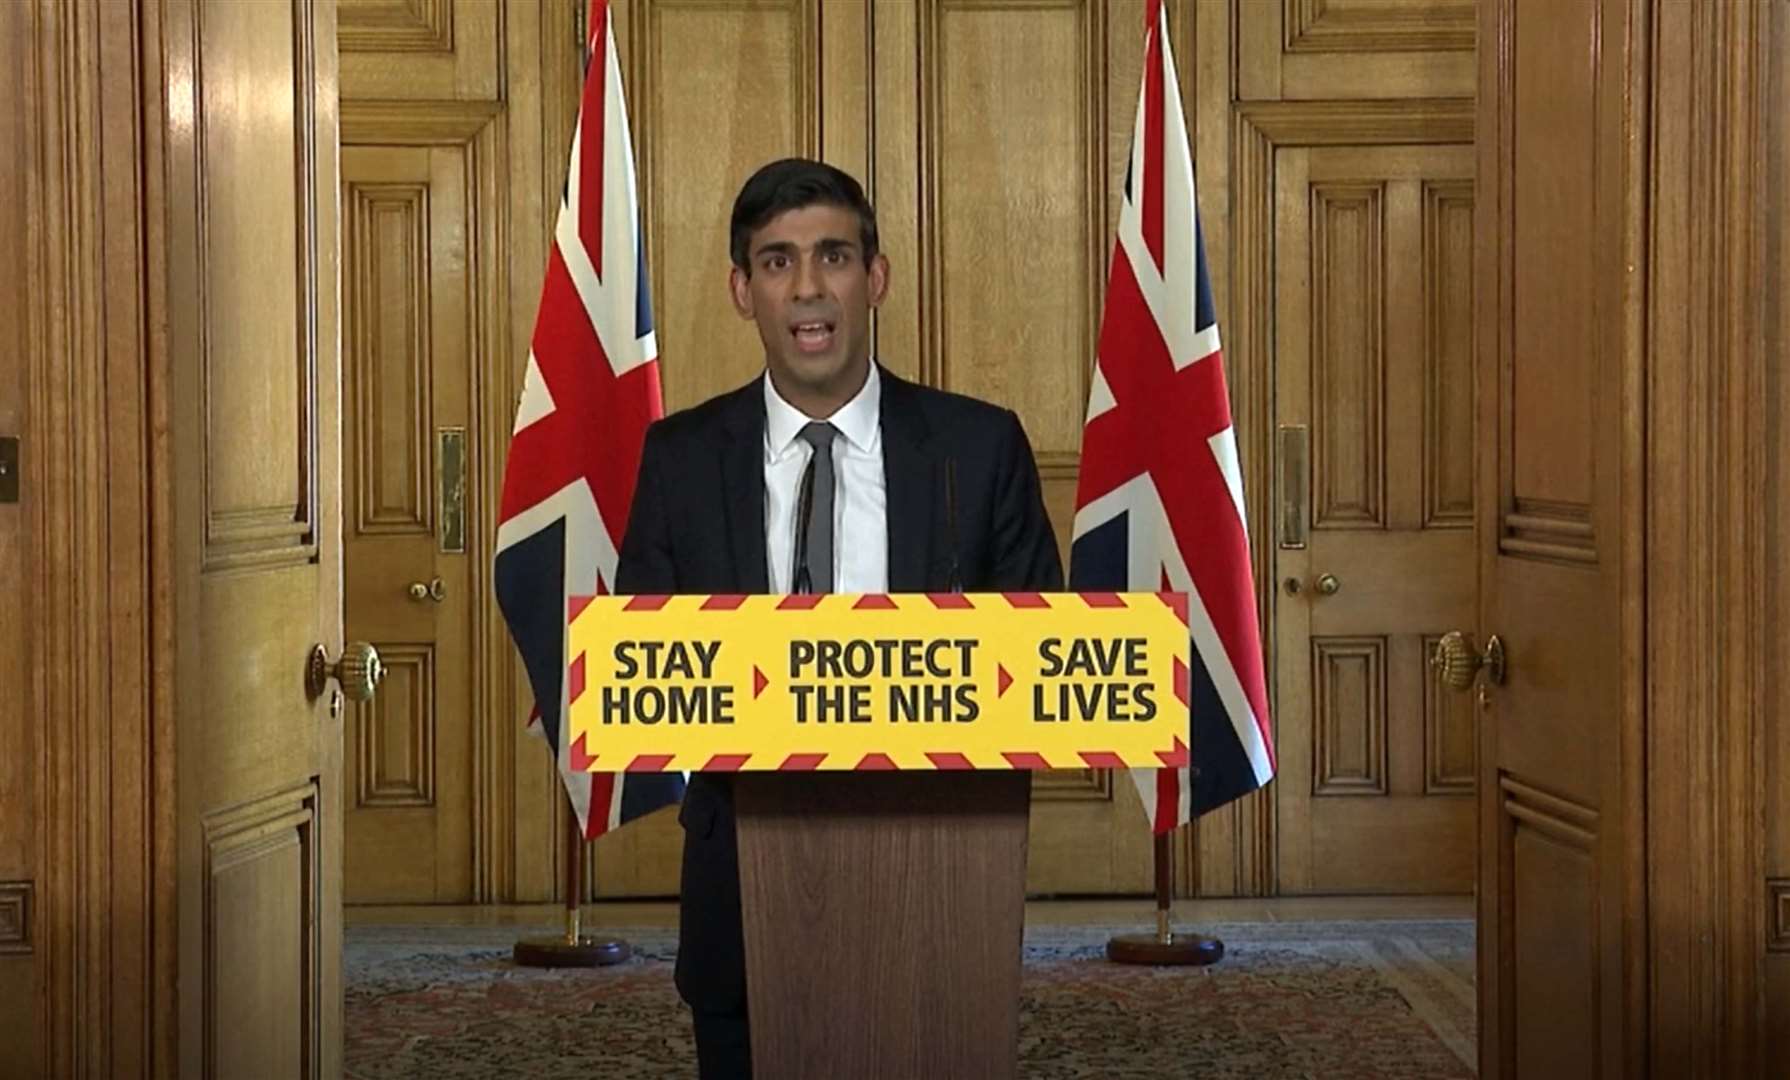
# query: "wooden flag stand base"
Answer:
x=573 y=949
x=1164 y=946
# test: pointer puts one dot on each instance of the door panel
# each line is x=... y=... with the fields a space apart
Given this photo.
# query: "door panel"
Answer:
x=1356 y=49
x=1373 y=254
x=262 y=863
x=1559 y=539
x=451 y=48
x=252 y=338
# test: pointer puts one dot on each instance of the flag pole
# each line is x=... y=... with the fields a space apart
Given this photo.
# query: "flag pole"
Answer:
x=573 y=948
x=1164 y=946
x=574 y=878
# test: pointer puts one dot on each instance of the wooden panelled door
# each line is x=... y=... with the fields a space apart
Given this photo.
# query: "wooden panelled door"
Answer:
x=1560 y=541
x=419 y=184
x=252 y=345
x=442 y=237
x=1345 y=259
x=409 y=339
x=1374 y=264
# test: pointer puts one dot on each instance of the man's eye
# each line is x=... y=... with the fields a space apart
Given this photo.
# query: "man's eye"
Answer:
x=776 y=262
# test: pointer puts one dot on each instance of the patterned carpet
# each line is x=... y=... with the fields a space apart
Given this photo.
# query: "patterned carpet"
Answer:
x=1349 y=1000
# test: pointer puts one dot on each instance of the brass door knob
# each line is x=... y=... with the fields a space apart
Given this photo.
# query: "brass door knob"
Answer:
x=1329 y=584
x=1458 y=663
x=435 y=590
x=359 y=671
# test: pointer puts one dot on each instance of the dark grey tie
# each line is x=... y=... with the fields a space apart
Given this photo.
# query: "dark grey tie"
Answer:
x=819 y=531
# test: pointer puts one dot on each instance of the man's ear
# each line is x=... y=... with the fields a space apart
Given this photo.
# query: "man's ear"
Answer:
x=879 y=278
x=739 y=285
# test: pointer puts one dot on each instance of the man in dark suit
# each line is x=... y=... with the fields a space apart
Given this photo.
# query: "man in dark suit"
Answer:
x=897 y=488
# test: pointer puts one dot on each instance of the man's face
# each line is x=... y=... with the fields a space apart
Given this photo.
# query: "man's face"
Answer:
x=811 y=292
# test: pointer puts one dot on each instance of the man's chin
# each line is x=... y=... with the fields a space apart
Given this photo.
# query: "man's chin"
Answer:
x=817 y=372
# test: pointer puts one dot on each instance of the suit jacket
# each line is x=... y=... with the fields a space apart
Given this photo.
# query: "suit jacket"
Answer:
x=697 y=526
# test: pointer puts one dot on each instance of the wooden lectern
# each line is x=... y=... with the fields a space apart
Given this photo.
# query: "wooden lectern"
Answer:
x=883 y=917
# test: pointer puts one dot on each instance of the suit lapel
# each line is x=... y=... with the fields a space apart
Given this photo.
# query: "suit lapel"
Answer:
x=910 y=472
x=742 y=477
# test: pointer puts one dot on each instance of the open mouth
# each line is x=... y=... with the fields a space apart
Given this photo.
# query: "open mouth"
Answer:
x=812 y=336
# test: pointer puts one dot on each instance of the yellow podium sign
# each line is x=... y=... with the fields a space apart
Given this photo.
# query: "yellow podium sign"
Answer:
x=909 y=681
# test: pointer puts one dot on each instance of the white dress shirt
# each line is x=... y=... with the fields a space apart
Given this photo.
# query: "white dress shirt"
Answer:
x=860 y=505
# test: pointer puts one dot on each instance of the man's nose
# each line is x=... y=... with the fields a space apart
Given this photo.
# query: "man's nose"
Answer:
x=808 y=283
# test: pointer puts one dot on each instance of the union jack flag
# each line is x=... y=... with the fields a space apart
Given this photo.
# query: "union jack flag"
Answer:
x=1159 y=504
x=591 y=389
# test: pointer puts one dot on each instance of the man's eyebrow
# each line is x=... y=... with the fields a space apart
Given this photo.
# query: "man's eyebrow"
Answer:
x=825 y=246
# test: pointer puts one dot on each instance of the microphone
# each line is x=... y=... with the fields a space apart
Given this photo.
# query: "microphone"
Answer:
x=953 y=576
x=802 y=581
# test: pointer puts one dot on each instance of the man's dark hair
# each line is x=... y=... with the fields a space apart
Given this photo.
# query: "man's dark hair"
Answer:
x=792 y=184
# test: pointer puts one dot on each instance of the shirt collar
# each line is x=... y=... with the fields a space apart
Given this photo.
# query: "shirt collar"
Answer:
x=859 y=420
